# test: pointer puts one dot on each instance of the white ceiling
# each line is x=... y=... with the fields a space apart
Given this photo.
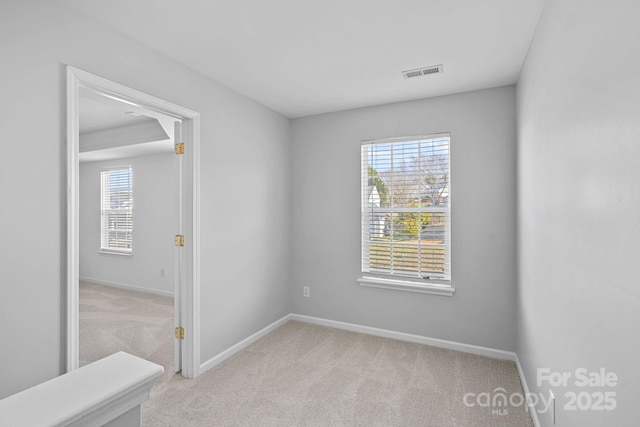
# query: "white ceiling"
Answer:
x=97 y=116
x=127 y=151
x=308 y=57
x=111 y=129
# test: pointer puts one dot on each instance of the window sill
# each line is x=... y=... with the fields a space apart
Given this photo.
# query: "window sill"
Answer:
x=120 y=253
x=407 y=286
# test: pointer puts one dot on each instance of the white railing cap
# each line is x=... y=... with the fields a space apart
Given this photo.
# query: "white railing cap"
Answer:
x=118 y=380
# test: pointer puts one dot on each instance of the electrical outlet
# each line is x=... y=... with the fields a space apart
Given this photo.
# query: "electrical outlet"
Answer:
x=305 y=292
x=162 y=272
x=552 y=407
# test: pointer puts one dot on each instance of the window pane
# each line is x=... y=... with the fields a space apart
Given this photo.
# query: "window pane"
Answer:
x=116 y=199
x=405 y=208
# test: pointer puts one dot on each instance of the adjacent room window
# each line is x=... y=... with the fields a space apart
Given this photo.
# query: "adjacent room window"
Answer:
x=406 y=218
x=116 y=210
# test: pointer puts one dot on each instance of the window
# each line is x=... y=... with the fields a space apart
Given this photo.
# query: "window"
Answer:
x=116 y=210
x=406 y=228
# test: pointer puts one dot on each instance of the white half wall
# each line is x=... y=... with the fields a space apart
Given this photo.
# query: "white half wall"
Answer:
x=245 y=172
x=150 y=267
x=579 y=207
x=326 y=218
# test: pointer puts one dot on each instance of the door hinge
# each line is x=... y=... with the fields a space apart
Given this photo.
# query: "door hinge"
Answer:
x=180 y=333
x=179 y=240
x=179 y=147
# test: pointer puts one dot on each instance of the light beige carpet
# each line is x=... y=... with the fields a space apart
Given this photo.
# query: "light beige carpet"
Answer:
x=113 y=319
x=308 y=375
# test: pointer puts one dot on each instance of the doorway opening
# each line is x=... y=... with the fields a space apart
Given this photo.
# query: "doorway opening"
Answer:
x=153 y=126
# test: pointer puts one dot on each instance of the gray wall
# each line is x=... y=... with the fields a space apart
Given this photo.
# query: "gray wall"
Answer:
x=155 y=221
x=579 y=203
x=326 y=218
x=245 y=175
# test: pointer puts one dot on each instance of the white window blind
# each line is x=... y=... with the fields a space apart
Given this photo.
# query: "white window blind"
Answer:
x=406 y=221
x=116 y=210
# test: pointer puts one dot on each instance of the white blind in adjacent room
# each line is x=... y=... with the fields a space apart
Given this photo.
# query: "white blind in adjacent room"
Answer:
x=116 y=210
x=406 y=219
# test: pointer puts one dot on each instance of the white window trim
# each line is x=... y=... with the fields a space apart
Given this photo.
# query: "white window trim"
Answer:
x=407 y=284
x=116 y=252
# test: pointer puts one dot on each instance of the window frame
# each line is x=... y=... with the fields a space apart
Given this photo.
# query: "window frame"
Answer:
x=437 y=286
x=114 y=250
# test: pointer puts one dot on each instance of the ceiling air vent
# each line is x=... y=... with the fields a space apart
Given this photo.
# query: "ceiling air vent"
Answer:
x=418 y=72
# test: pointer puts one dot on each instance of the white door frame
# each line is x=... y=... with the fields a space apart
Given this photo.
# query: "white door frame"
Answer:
x=190 y=276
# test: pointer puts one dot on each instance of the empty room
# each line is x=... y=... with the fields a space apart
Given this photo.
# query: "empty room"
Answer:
x=299 y=213
x=126 y=284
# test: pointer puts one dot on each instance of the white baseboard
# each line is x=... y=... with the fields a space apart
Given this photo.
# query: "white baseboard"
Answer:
x=127 y=286
x=220 y=357
x=525 y=388
x=435 y=342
